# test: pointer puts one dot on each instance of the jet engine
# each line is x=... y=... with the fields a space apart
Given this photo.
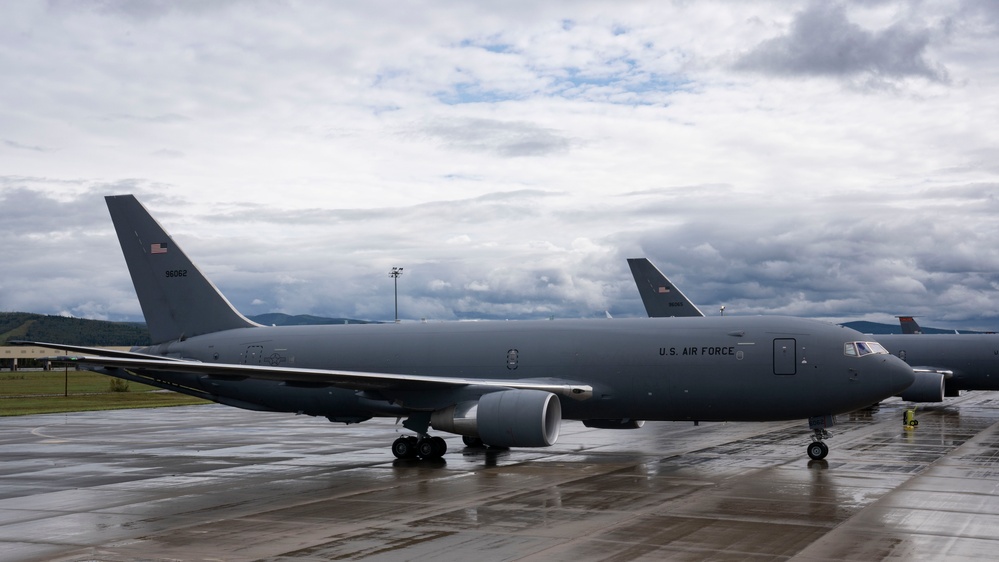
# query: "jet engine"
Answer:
x=929 y=387
x=508 y=418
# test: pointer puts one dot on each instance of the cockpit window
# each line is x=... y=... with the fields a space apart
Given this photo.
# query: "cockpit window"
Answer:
x=861 y=348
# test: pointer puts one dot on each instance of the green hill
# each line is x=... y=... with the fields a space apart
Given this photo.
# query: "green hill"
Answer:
x=72 y=331
x=77 y=331
x=281 y=319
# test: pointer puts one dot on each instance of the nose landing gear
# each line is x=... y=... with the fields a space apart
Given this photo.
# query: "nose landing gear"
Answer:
x=817 y=449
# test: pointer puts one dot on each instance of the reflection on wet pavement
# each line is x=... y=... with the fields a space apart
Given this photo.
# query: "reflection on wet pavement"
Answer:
x=210 y=482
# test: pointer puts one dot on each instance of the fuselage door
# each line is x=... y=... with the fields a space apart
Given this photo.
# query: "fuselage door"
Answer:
x=785 y=358
x=253 y=354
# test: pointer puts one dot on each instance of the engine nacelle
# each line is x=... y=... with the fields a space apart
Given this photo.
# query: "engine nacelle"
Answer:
x=929 y=387
x=508 y=418
x=614 y=424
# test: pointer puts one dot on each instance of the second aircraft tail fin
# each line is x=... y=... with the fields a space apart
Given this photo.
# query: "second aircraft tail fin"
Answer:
x=909 y=325
x=177 y=300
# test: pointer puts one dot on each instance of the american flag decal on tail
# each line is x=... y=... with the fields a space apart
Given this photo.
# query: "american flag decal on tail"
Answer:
x=160 y=248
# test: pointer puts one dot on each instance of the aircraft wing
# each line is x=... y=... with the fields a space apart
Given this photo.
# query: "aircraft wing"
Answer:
x=356 y=380
x=947 y=373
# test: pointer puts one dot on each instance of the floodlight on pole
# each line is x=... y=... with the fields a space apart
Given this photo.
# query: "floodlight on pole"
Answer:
x=394 y=274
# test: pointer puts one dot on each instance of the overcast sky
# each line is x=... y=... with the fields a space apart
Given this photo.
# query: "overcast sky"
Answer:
x=833 y=160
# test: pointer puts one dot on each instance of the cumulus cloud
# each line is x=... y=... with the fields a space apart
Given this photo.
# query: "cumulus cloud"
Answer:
x=509 y=156
x=17 y=145
x=822 y=41
x=507 y=139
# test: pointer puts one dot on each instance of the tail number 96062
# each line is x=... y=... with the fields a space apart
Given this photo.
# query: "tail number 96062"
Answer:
x=176 y=273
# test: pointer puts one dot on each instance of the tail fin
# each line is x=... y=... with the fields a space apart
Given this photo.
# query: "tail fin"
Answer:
x=661 y=298
x=177 y=300
x=909 y=325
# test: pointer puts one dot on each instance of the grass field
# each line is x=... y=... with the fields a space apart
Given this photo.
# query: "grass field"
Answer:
x=41 y=392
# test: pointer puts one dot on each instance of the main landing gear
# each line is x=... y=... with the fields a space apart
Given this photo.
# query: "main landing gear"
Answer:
x=424 y=447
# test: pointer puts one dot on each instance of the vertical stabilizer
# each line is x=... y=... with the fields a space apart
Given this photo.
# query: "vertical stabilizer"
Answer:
x=909 y=325
x=177 y=300
x=662 y=299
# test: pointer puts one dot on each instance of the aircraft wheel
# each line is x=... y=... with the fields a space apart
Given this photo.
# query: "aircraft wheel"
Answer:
x=472 y=441
x=426 y=449
x=440 y=446
x=817 y=450
x=404 y=448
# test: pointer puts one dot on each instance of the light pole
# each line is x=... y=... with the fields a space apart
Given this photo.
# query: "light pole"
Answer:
x=394 y=274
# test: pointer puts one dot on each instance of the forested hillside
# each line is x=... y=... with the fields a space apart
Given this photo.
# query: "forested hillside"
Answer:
x=281 y=319
x=73 y=331
x=76 y=331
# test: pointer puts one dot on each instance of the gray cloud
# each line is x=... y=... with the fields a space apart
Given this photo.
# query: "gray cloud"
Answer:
x=510 y=156
x=145 y=9
x=849 y=266
x=490 y=257
x=822 y=41
x=19 y=146
x=509 y=139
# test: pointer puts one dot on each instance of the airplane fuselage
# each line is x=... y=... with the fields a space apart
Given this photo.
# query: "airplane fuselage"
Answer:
x=735 y=368
x=973 y=358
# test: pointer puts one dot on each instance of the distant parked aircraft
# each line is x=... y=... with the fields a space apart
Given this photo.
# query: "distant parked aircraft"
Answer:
x=909 y=325
x=944 y=364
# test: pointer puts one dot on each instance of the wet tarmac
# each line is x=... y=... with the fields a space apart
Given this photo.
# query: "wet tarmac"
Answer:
x=216 y=483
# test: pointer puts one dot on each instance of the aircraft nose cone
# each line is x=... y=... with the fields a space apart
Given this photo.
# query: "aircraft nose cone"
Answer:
x=900 y=373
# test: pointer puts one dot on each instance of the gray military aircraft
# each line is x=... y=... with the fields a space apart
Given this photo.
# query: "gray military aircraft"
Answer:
x=946 y=364
x=662 y=299
x=507 y=384
x=968 y=362
x=943 y=364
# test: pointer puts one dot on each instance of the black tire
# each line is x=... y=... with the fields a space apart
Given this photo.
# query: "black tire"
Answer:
x=426 y=449
x=817 y=450
x=472 y=441
x=440 y=446
x=404 y=448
